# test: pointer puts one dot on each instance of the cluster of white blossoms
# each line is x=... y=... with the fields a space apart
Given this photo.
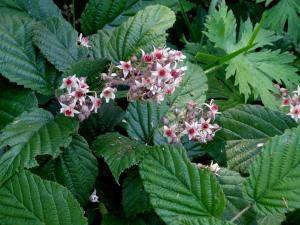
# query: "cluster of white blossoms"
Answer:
x=78 y=99
x=194 y=121
x=152 y=76
x=291 y=100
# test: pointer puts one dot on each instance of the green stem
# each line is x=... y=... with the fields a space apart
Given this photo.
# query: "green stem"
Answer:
x=187 y=22
x=241 y=213
x=73 y=13
x=257 y=29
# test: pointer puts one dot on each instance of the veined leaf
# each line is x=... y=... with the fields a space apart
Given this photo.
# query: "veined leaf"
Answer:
x=13 y=102
x=134 y=198
x=178 y=189
x=254 y=71
x=56 y=39
x=246 y=126
x=18 y=61
x=33 y=133
x=100 y=13
x=138 y=32
x=119 y=152
x=38 y=9
x=271 y=220
x=211 y=221
x=26 y=199
x=274 y=185
x=284 y=13
x=76 y=168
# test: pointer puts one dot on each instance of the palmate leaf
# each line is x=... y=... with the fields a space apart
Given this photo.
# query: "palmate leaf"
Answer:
x=178 y=189
x=31 y=134
x=76 y=168
x=18 y=61
x=138 y=32
x=119 y=152
x=56 y=39
x=284 y=13
x=26 y=199
x=254 y=71
x=13 y=102
x=38 y=9
x=100 y=13
x=134 y=198
x=246 y=126
x=274 y=185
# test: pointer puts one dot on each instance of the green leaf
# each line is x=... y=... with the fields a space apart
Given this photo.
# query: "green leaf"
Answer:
x=119 y=152
x=211 y=221
x=273 y=184
x=134 y=198
x=137 y=33
x=38 y=9
x=100 y=13
x=271 y=220
x=110 y=219
x=57 y=39
x=26 y=199
x=13 y=102
x=254 y=71
x=178 y=189
x=192 y=88
x=232 y=183
x=284 y=14
x=144 y=119
x=245 y=126
x=31 y=134
x=18 y=61
x=76 y=168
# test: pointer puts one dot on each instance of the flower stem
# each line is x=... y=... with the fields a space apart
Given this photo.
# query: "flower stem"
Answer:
x=241 y=213
x=187 y=22
x=73 y=13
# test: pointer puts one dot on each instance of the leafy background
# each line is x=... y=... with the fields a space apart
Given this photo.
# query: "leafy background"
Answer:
x=236 y=51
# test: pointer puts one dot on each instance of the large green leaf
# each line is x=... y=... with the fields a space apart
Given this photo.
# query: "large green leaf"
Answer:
x=274 y=185
x=232 y=183
x=38 y=9
x=26 y=199
x=119 y=152
x=14 y=101
x=255 y=70
x=134 y=198
x=178 y=189
x=138 y=32
x=31 y=134
x=211 y=221
x=143 y=119
x=18 y=61
x=76 y=168
x=110 y=219
x=246 y=126
x=57 y=39
x=99 y=13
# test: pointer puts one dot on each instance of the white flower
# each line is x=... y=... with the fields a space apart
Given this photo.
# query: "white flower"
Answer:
x=169 y=133
x=126 y=67
x=68 y=110
x=179 y=56
x=94 y=198
x=214 y=167
x=147 y=58
x=96 y=103
x=84 y=41
x=69 y=83
x=162 y=72
x=191 y=130
x=205 y=126
x=108 y=93
x=295 y=112
x=79 y=94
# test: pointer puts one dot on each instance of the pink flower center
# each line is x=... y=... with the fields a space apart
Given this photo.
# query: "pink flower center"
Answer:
x=174 y=73
x=296 y=111
x=204 y=126
x=169 y=132
x=162 y=73
x=286 y=101
x=69 y=82
x=215 y=108
x=147 y=58
x=126 y=66
x=192 y=131
x=158 y=55
x=106 y=93
x=68 y=112
x=97 y=103
x=79 y=94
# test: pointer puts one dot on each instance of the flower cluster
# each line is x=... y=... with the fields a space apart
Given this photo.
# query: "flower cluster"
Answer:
x=77 y=98
x=152 y=76
x=213 y=167
x=194 y=121
x=291 y=100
